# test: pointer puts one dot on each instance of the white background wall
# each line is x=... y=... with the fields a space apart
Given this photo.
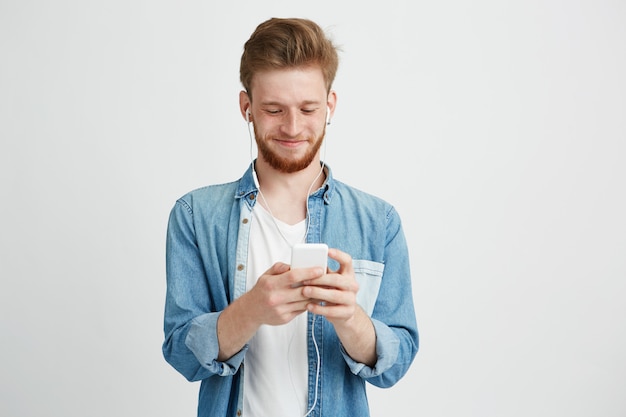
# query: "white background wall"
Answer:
x=498 y=129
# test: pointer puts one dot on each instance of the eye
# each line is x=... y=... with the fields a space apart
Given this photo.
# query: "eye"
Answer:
x=308 y=111
x=272 y=111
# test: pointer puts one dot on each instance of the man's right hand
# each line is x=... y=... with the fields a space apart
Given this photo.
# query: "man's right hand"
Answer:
x=275 y=299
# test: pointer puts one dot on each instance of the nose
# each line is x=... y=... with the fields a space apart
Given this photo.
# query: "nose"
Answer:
x=291 y=124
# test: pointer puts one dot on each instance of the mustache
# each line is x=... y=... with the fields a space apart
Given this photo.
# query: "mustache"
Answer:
x=298 y=138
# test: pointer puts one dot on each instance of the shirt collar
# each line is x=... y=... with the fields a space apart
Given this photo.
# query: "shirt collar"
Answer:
x=248 y=189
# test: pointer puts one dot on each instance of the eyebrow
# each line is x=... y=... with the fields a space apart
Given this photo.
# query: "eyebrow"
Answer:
x=304 y=103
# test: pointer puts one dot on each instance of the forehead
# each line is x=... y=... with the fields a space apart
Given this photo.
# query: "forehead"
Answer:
x=289 y=85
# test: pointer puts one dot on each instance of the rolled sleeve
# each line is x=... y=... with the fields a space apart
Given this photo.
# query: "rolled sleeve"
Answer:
x=387 y=348
x=202 y=341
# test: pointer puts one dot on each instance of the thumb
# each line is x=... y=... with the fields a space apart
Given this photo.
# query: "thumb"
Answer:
x=279 y=268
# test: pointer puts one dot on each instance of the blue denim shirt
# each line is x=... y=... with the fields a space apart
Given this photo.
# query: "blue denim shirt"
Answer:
x=207 y=244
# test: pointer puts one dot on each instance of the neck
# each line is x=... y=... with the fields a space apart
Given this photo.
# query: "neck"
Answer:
x=285 y=194
x=274 y=181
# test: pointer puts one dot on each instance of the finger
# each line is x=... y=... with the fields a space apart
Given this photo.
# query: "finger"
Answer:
x=336 y=281
x=299 y=306
x=328 y=310
x=300 y=275
x=278 y=268
x=344 y=259
x=327 y=296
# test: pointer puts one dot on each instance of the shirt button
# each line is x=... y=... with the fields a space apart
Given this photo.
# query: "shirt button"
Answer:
x=245 y=221
x=240 y=267
x=238 y=412
x=251 y=196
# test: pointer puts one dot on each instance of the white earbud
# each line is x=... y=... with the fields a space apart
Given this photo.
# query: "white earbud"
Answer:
x=327 y=116
x=248 y=116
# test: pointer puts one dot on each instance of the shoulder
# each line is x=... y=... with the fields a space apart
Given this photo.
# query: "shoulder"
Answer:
x=208 y=196
x=347 y=194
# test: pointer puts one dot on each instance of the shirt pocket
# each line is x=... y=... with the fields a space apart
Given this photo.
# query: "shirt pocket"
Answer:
x=369 y=275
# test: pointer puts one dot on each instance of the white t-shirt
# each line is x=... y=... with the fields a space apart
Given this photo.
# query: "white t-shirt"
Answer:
x=275 y=366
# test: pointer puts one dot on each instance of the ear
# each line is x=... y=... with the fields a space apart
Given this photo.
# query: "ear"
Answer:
x=245 y=105
x=331 y=102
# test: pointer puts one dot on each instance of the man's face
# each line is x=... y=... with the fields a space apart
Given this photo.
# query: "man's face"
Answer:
x=289 y=113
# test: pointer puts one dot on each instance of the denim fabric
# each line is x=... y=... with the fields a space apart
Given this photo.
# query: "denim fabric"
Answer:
x=207 y=244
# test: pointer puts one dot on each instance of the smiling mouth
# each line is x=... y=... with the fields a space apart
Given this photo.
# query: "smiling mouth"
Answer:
x=291 y=143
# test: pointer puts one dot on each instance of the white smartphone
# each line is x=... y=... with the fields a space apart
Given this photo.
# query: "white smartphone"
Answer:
x=308 y=255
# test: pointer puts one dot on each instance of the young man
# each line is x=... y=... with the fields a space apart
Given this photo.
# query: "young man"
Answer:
x=265 y=339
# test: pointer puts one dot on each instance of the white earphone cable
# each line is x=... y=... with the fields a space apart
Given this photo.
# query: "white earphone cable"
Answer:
x=308 y=222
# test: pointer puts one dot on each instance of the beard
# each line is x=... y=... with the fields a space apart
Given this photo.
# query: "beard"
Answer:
x=283 y=164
